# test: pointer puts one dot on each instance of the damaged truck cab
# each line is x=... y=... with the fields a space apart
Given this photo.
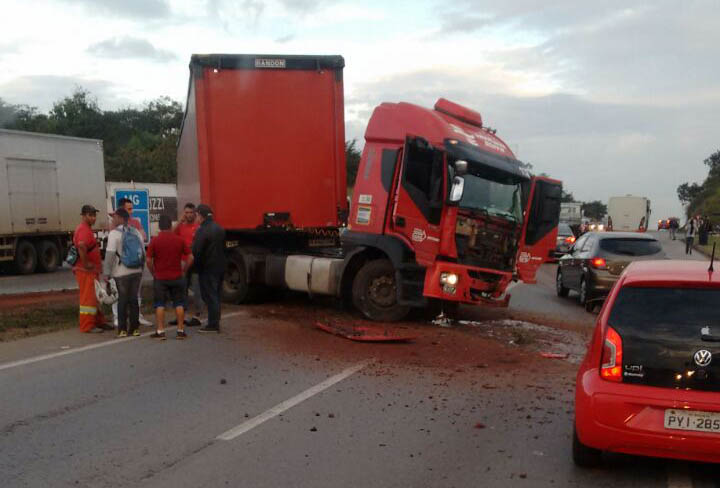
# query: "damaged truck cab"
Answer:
x=449 y=206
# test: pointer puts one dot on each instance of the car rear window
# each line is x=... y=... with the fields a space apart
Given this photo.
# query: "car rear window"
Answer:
x=631 y=247
x=660 y=314
x=564 y=230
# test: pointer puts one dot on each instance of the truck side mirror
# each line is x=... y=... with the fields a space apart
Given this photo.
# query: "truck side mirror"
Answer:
x=456 y=192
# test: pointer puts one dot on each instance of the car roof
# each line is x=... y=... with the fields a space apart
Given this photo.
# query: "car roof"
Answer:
x=671 y=272
x=623 y=235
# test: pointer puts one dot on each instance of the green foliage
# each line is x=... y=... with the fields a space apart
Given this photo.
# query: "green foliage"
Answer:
x=139 y=144
x=352 y=161
x=566 y=197
x=594 y=210
x=703 y=198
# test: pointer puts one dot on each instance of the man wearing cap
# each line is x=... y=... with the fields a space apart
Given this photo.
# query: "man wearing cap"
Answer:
x=87 y=269
x=209 y=257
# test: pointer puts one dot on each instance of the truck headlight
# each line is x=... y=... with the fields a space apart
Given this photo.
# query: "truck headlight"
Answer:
x=448 y=279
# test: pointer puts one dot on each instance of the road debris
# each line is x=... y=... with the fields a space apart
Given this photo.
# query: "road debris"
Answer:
x=364 y=333
x=554 y=355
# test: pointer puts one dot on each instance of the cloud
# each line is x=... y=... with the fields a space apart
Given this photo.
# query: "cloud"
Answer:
x=284 y=39
x=619 y=51
x=134 y=9
x=129 y=48
x=42 y=91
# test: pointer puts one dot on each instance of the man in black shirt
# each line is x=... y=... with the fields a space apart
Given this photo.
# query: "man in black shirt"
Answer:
x=209 y=257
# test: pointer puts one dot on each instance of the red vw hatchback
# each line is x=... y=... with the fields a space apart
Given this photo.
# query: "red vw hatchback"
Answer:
x=650 y=381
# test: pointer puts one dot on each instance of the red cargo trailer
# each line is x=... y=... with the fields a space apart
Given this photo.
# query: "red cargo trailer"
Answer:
x=263 y=140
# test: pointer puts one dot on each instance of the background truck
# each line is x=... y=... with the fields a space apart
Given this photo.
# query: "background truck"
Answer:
x=628 y=213
x=150 y=201
x=44 y=181
x=571 y=213
x=442 y=212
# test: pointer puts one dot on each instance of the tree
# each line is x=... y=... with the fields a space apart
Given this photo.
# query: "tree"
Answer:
x=594 y=210
x=713 y=162
x=352 y=162
x=688 y=192
x=566 y=197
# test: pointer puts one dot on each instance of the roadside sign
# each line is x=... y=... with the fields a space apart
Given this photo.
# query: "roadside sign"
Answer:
x=141 y=205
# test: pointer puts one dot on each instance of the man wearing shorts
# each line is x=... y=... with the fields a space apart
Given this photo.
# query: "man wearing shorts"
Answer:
x=166 y=256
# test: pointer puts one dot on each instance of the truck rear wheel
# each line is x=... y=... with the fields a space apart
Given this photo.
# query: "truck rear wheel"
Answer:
x=25 y=257
x=48 y=256
x=235 y=286
x=374 y=292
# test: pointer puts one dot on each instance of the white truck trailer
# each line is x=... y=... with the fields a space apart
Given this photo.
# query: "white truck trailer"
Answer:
x=44 y=181
x=628 y=213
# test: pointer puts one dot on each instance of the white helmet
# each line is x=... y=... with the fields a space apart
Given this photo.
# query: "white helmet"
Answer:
x=106 y=293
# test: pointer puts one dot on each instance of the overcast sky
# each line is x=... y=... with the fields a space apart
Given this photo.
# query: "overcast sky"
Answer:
x=612 y=97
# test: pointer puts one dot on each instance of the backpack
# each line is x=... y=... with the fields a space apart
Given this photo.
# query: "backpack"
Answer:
x=133 y=249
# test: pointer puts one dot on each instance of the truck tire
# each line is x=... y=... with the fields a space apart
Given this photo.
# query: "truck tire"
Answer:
x=374 y=292
x=48 y=256
x=25 y=257
x=235 y=286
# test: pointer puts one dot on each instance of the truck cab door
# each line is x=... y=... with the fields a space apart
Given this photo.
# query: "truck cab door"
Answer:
x=419 y=197
x=542 y=214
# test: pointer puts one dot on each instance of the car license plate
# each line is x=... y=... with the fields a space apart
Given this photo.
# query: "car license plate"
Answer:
x=692 y=420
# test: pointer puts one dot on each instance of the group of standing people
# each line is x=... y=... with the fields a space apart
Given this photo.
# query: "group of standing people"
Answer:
x=697 y=226
x=189 y=256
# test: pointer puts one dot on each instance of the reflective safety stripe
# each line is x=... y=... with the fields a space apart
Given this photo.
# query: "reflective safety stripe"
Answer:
x=88 y=310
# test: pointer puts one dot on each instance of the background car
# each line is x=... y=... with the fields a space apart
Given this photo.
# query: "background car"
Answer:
x=565 y=239
x=649 y=382
x=597 y=259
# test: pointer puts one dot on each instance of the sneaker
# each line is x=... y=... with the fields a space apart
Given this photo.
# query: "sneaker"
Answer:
x=122 y=333
x=136 y=333
x=208 y=328
x=144 y=321
x=194 y=322
x=181 y=335
x=105 y=327
x=96 y=330
x=158 y=335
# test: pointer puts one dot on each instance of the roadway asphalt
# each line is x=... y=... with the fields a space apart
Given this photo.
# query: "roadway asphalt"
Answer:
x=245 y=408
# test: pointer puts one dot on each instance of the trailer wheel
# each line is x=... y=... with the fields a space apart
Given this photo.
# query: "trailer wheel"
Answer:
x=235 y=286
x=48 y=256
x=374 y=292
x=25 y=257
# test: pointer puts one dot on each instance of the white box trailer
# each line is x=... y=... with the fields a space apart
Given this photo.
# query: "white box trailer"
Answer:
x=45 y=179
x=628 y=213
x=162 y=199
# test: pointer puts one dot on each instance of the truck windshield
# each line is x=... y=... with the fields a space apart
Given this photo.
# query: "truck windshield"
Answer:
x=495 y=198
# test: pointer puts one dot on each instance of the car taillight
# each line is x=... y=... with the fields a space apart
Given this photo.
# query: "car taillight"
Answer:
x=611 y=366
x=598 y=263
x=570 y=239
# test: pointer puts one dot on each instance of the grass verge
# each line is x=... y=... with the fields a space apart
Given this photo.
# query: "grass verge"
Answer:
x=707 y=250
x=33 y=319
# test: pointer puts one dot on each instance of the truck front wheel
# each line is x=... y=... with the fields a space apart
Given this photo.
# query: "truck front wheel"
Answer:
x=25 y=257
x=374 y=292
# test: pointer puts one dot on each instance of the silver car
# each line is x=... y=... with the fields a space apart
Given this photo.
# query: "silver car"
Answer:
x=565 y=239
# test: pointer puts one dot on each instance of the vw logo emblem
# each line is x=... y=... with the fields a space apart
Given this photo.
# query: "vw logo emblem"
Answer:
x=703 y=357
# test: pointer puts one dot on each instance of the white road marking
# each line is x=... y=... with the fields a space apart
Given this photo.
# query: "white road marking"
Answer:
x=288 y=404
x=90 y=347
x=678 y=477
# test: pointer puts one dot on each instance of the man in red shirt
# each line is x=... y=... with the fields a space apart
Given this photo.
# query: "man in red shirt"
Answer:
x=186 y=228
x=87 y=269
x=166 y=256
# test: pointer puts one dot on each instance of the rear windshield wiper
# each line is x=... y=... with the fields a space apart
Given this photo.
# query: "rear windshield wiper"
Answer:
x=706 y=336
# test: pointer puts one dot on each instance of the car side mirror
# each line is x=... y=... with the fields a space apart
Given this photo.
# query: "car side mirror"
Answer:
x=457 y=189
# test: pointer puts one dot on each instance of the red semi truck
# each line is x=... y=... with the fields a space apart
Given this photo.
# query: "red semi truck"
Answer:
x=442 y=212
